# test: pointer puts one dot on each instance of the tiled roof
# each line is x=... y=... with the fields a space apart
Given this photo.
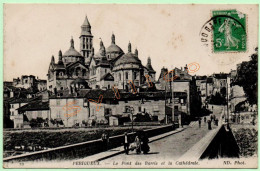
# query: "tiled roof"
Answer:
x=24 y=100
x=35 y=105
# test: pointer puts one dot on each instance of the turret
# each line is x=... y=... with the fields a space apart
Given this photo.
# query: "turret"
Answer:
x=86 y=38
x=136 y=52
x=129 y=47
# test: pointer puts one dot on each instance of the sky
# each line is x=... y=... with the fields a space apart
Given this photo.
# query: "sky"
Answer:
x=169 y=34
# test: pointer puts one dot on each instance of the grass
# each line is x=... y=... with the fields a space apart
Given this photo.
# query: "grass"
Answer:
x=59 y=137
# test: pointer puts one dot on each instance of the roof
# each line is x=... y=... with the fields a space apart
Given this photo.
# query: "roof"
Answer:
x=220 y=76
x=86 y=22
x=128 y=58
x=72 y=52
x=107 y=77
x=201 y=77
x=35 y=105
x=150 y=68
x=24 y=100
x=58 y=66
x=66 y=94
x=113 y=48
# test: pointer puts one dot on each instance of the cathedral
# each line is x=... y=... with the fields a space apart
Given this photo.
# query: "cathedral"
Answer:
x=104 y=69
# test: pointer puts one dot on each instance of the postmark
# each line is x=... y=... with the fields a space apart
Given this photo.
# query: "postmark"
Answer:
x=225 y=31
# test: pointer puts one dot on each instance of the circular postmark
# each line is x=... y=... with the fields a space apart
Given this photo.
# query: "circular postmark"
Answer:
x=225 y=31
x=193 y=67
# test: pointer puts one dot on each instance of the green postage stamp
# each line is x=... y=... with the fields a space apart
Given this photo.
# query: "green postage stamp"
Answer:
x=229 y=31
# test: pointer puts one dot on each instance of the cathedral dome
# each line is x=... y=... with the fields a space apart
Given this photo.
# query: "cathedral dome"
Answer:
x=113 y=48
x=128 y=58
x=72 y=51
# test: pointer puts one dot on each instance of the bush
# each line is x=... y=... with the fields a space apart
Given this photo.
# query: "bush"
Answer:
x=247 y=141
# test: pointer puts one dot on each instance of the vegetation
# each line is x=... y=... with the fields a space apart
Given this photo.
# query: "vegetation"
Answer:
x=247 y=141
x=58 y=137
x=247 y=78
x=217 y=99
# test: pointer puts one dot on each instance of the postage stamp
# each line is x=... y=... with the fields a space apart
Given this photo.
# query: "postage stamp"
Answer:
x=229 y=31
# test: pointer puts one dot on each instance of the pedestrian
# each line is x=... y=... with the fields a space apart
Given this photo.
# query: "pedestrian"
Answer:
x=199 y=122
x=105 y=140
x=144 y=144
x=138 y=145
x=216 y=121
x=126 y=143
x=212 y=108
x=205 y=119
x=211 y=117
x=209 y=124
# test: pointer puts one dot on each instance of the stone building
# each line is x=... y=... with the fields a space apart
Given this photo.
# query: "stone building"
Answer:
x=104 y=69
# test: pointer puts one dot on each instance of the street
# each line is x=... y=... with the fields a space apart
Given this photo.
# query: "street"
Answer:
x=171 y=147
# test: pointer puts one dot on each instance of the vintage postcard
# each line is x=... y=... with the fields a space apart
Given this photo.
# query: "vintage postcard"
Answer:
x=130 y=86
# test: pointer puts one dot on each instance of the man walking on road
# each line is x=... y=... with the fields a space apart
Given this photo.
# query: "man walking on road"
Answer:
x=126 y=143
x=199 y=122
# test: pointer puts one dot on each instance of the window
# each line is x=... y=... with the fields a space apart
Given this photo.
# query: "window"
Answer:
x=108 y=86
x=126 y=75
x=135 y=75
x=61 y=74
x=119 y=75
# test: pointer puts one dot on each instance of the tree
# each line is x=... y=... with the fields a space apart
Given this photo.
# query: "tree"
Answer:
x=247 y=78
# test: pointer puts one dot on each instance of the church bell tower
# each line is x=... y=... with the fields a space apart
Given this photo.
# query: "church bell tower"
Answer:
x=86 y=39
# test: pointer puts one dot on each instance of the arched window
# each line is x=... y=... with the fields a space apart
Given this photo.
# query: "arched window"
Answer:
x=126 y=75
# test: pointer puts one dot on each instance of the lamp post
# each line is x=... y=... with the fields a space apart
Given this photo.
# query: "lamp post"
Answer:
x=132 y=115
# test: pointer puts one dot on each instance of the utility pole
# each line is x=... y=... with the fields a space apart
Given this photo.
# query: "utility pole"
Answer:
x=227 y=104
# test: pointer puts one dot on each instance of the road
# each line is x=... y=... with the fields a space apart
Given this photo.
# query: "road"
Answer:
x=172 y=147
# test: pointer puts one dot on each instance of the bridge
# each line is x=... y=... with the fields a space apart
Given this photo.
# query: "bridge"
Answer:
x=188 y=143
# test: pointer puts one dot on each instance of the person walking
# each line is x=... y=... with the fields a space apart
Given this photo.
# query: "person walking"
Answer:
x=205 y=119
x=199 y=122
x=105 y=140
x=126 y=143
x=209 y=124
x=144 y=144
x=138 y=145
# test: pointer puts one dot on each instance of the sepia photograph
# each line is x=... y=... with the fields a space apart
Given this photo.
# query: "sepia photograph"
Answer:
x=130 y=85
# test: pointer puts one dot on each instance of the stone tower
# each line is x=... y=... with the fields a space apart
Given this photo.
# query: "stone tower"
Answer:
x=86 y=39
